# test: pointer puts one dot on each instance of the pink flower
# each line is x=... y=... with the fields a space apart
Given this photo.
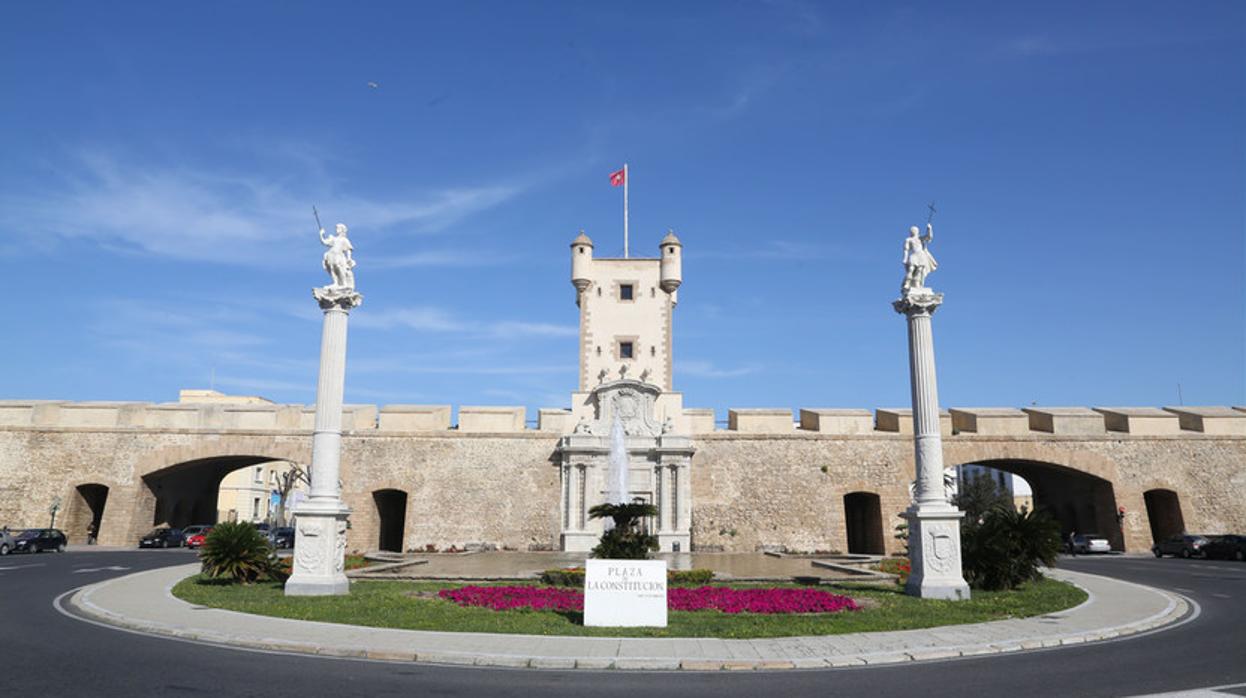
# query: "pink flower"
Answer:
x=724 y=599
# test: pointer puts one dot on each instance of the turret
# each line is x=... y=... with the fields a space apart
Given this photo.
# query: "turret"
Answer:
x=581 y=258
x=672 y=262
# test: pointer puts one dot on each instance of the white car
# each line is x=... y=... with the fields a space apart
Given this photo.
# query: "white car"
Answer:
x=6 y=541
x=1090 y=543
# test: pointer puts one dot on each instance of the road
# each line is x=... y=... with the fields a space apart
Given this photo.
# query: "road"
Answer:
x=47 y=653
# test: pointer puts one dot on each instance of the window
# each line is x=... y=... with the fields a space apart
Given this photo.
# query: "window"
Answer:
x=626 y=292
x=255 y=508
x=259 y=474
x=626 y=350
x=653 y=351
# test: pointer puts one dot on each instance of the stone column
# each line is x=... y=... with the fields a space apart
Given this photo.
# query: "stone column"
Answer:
x=320 y=521
x=934 y=523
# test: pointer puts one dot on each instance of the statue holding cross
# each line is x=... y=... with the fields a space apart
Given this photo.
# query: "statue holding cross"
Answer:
x=918 y=261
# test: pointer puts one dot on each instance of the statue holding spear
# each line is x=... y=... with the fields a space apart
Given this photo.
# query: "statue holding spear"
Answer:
x=337 y=259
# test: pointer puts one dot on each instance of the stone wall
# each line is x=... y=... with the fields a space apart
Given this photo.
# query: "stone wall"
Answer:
x=751 y=490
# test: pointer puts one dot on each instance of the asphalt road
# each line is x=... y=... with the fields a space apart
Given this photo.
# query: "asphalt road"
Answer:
x=45 y=653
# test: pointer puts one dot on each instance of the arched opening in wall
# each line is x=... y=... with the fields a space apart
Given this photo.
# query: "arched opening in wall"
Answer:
x=1079 y=501
x=863 y=516
x=225 y=488
x=391 y=514
x=85 y=513
x=1163 y=510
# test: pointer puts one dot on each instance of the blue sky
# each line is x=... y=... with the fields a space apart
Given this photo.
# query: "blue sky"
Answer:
x=1088 y=161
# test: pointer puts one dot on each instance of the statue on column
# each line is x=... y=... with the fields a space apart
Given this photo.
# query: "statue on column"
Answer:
x=918 y=261
x=337 y=259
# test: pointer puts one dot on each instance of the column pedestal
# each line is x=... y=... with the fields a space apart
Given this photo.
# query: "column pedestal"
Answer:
x=319 y=550
x=934 y=555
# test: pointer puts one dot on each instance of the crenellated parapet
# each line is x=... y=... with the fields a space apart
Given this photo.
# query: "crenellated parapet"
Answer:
x=424 y=419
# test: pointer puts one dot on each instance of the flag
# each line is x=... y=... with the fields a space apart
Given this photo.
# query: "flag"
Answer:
x=618 y=179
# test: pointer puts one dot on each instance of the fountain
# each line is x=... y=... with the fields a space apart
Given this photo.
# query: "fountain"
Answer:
x=616 y=473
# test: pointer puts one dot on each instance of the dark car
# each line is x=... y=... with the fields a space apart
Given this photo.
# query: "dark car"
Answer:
x=162 y=538
x=1185 y=545
x=36 y=540
x=1227 y=547
x=282 y=537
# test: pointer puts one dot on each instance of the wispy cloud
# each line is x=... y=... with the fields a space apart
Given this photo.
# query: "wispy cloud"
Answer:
x=441 y=258
x=222 y=216
x=433 y=319
x=776 y=250
x=706 y=369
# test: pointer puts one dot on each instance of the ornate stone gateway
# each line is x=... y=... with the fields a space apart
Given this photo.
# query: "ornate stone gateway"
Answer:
x=659 y=466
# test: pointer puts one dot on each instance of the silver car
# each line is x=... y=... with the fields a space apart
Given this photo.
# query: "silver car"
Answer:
x=6 y=541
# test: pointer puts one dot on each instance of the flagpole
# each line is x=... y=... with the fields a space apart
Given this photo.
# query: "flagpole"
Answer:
x=625 y=183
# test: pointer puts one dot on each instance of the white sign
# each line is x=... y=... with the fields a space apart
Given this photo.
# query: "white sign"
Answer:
x=625 y=593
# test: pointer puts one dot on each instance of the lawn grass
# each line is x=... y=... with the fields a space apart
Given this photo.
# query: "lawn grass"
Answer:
x=386 y=604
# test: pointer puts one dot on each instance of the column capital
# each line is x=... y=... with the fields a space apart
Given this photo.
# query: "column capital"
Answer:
x=330 y=297
x=918 y=301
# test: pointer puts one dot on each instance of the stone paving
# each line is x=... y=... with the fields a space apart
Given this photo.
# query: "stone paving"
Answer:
x=496 y=565
x=144 y=602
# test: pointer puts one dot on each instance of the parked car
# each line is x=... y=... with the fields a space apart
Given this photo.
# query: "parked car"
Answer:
x=282 y=537
x=197 y=539
x=1089 y=543
x=1230 y=547
x=1185 y=545
x=163 y=537
x=195 y=528
x=36 y=540
x=6 y=541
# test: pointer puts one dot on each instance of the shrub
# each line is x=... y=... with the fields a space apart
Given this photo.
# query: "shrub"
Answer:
x=1006 y=548
x=625 y=541
x=899 y=566
x=237 y=552
x=570 y=577
x=689 y=577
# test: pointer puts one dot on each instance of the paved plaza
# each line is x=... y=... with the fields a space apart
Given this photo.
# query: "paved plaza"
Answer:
x=143 y=602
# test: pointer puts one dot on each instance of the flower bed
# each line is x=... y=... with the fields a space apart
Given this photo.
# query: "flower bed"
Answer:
x=773 y=600
x=507 y=598
x=724 y=599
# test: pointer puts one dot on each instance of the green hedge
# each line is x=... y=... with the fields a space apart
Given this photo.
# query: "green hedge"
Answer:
x=574 y=577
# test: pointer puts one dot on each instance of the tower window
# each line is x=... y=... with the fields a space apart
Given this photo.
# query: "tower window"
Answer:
x=653 y=351
x=626 y=292
x=626 y=350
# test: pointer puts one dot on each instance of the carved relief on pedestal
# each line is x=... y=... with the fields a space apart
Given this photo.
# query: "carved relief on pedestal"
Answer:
x=310 y=553
x=939 y=551
x=340 y=557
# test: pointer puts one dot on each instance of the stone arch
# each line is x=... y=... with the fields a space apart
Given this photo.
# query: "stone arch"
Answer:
x=863 y=523
x=87 y=504
x=1163 y=512
x=1074 y=486
x=390 y=508
x=178 y=485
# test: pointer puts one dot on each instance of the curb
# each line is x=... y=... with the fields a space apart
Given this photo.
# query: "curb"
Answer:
x=1177 y=610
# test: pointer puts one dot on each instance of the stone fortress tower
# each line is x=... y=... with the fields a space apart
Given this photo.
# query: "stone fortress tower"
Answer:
x=626 y=307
